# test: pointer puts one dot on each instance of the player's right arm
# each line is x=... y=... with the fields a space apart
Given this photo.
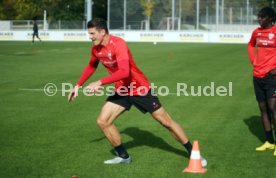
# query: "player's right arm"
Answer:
x=87 y=72
x=251 y=47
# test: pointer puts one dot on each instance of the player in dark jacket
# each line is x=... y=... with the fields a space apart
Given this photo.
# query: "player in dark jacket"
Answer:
x=35 y=30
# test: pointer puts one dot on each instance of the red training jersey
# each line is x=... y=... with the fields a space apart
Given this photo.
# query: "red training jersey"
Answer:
x=117 y=59
x=263 y=58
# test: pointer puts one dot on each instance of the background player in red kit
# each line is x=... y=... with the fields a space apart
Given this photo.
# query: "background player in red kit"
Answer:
x=262 y=54
x=116 y=57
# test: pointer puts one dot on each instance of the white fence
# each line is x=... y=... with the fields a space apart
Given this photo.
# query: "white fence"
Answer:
x=133 y=36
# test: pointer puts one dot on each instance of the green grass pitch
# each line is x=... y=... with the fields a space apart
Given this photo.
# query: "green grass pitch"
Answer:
x=46 y=137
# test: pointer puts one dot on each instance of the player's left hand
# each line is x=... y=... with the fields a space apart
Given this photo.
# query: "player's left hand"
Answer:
x=93 y=87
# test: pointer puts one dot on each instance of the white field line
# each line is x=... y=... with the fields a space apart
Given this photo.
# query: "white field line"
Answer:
x=59 y=90
x=66 y=50
x=37 y=89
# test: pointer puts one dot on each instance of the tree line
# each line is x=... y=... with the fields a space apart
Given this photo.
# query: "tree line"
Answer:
x=56 y=9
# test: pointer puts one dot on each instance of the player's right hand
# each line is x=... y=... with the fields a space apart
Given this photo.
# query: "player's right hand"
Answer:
x=73 y=93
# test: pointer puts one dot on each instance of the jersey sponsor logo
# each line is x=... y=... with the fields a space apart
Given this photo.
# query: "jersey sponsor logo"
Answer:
x=108 y=60
x=106 y=57
x=265 y=39
x=110 y=64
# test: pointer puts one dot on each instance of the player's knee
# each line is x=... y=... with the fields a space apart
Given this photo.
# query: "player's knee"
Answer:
x=102 y=123
x=263 y=110
x=263 y=107
x=272 y=108
x=273 y=112
x=166 y=122
x=163 y=118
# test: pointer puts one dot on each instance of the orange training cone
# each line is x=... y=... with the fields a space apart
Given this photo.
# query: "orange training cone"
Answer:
x=195 y=161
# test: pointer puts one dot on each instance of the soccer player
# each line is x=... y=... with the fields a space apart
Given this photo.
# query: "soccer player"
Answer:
x=262 y=54
x=131 y=88
x=35 y=30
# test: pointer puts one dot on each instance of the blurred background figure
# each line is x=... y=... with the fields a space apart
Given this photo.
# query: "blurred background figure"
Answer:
x=35 y=30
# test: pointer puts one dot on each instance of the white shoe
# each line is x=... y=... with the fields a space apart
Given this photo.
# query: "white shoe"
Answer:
x=203 y=161
x=118 y=160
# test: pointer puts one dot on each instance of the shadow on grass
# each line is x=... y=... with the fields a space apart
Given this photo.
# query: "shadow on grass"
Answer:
x=255 y=126
x=146 y=138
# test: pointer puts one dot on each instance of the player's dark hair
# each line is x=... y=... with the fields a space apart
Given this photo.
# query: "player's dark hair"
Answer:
x=268 y=12
x=98 y=23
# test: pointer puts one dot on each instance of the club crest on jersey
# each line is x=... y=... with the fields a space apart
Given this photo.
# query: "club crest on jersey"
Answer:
x=270 y=36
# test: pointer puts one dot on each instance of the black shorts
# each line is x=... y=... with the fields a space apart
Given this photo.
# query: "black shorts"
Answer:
x=148 y=103
x=35 y=34
x=265 y=88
